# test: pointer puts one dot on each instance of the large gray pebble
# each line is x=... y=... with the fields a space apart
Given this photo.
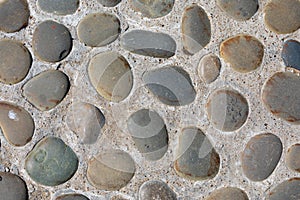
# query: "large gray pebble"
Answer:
x=228 y=193
x=109 y=3
x=290 y=54
x=12 y=187
x=209 y=68
x=156 y=190
x=287 y=190
x=154 y=8
x=60 y=7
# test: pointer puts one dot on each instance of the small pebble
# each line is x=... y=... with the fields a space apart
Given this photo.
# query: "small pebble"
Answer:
x=109 y=3
x=12 y=187
x=72 y=197
x=118 y=197
x=287 y=190
x=154 y=8
x=291 y=54
x=293 y=157
x=209 y=68
x=59 y=7
x=156 y=190
x=228 y=193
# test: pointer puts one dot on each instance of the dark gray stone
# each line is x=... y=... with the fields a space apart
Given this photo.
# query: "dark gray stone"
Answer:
x=287 y=190
x=72 y=197
x=228 y=193
x=291 y=54
x=154 y=8
x=59 y=7
x=109 y=3
x=12 y=187
x=156 y=190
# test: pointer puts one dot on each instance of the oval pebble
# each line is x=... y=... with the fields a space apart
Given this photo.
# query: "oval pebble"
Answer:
x=293 y=157
x=290 y=54
x=153 y=9
x=111 y=170
x=149 y=133
x=98 y=29
x=244 y=53
x=16 y=124
x=196 y=157
x=227 y=110
x=72 y=197
x=261 y=156
x=171 y=85
x=195 y=29
x=111 y=76
x=51 y=162
x=59 y=7
x=209 y=68
x=15 y=61
x=148 y=43
x=228 y=193
x=14 y=15
x=12 y=187
x=109 y=3
x=156 y=190
x=287 y=190
x=51 y=41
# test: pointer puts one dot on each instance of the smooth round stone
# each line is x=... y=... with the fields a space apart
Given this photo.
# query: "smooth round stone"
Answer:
x=154 y=8
x=281 y=16
x=72 y=197
x=51 y=42
x=111 y=170
x=12 y=187
x=244 y=53
x=149 y=133
x=293 y=157
x=59 y=7
x=14 y=15
x=287 y=190
x=239 y=9
x=109 y=3
x=228 y=193
x=290 y=54
x=195 y=29
x=111 y=76
x=51 y=162
x=196 y=157
x=86 y=120
x=281 y=96
x=47 y=89
x=98 y=29
x=15 y=61
x=261 y=156
x=171 y=85
x=156 y=190
x=209 y=68
x=227 y=110
x=148 y=43
x=16 y=124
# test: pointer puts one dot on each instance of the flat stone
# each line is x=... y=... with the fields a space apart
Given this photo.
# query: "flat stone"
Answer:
x=12 y=187
x=153 y=9
x=15 y=61
x=228 y=193
x=209 y=68
x=98 y=29
x=111 y=170
x=148 y=43
x=293 y=157
x=287 y=190
x=149 y=133
x=72 y=197
x=51 y=162
x=86 y=120
x=282 y=17
x=244 y=53
x=109 y=3
x=59 y=7
x=14 y=15
x=16 y=124
x=196 y=157
x=290 y=54
x=171 y=85
x=51 y=42
x=261 y=156
x=47 y=89
x=111 y=76
x=156 y=190
x=281 y=96
x=227 y=110
x=195 y=29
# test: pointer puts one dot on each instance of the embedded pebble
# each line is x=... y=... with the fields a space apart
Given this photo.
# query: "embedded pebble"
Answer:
x=59 y=7
x=261 y=156
x=51 y=162
x=86 y=120
x=153 y=9
x=293 y=157
x=149 y=133
x=15 y=61
x=111 y=75
x=290 y=54
x=51 y=42
x=14 y=15
x=110 y=170
x=98 y=29
x=12 y=187
x=109 y=3
x=244 y=53
x=149 y=43
x=209 y=68
x=118 y=197
x=16 y=124
x=196 y=157
x=287 y=190
x=228 y=193
x=195 y=29
x=227 y=110
x=282 y=17
x=281 y=96
x=156 y=190
x=72 y=197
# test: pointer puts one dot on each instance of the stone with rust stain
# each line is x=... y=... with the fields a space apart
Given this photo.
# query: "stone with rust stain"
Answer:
x=12 y=187
x=59 y=7
x=209 y=68
x=287 y=190
x=228 y=193
x=291 y=54
x=154 y=8
x=156 y=190
x=72 y=197
x=293 y=157
x=109 y=3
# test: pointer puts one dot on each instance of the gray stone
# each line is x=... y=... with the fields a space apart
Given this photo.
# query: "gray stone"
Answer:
x=228 y=193
x=290 y=54
x=12 y=187
x=287 y=190
x=118 y=197
x=153 y=9
x=72 y=197
x=59 y=7
x=293 y=157
x=209 y=68
x=109 y=3
x=156 y=190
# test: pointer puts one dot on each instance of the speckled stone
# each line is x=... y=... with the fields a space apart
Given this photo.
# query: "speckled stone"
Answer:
x=171 y=85
x=12 y=187
x=292 y=157
x=59 y=7
x=287 y=190
x=47 y=89
x=15 y=61
x=228 y=193
x=244 y=53
x=209 y=68
x=72 y=197
x=14 y=15
x=148 y=43
x=111 y=170
x=154 y=8
x=98 y=29
x=109 y=3
x=111 y=76
x=16 y=124
x=195 y=29
x=196 y=157
x=290 y=54
x=156 y=190
x=227 y=110
x=261 y=156
x=51 y=42
x=51 y=162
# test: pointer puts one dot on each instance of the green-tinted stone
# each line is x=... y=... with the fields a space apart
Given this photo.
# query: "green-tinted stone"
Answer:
x=156 y=190
x=209 y=68
x=154 y=8
x=59 y=7
x=228 y=193
x=109 y=3
x=287 y=190
x=72 y=197
x=12 y=187
x=293 y=157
